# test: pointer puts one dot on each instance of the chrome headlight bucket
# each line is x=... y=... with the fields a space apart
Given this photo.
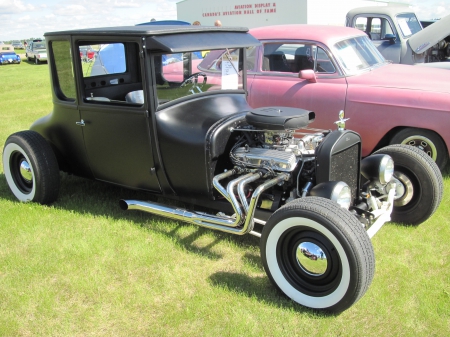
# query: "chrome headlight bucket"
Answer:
x=337 y=191
x=378 y=167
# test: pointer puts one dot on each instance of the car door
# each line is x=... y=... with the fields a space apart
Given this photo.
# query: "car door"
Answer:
x=115 y=123
x=277 y=83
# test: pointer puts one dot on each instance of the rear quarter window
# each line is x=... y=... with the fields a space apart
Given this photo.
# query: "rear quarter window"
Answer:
x=65 y=81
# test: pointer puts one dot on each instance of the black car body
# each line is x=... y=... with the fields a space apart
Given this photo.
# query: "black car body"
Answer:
x=134 y=119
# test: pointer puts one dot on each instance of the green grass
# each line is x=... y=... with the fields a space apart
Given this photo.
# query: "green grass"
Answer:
x=83 y=267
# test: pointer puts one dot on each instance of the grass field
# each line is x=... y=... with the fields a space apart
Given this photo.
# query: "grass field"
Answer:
x=83 y=267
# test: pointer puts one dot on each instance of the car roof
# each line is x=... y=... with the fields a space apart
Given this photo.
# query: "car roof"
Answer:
x=172 y=38
x=6 y=47
x=327 y=35
x=146 y=30
x=386 y=10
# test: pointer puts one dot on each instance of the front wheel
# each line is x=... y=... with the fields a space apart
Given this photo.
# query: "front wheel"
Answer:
x=318 y=254
x=419 y=184
x=31 y=168
x=36 y=61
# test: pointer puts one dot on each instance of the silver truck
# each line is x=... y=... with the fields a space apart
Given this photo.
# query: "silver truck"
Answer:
x=399 y=36
x=36 y=51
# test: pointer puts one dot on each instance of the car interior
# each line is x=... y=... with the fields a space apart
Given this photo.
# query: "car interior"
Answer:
x=113 y=74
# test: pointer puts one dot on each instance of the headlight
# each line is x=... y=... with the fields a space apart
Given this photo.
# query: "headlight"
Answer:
x=337 y=191
x=386 y=169
x=379 y=167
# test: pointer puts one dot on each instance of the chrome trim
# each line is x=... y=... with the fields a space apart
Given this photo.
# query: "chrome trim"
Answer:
x=341 y=122
x=243 y=222
x=383 y=213
x=25 y=171
x=404 y=191
x=241 y=191
x=311 y=258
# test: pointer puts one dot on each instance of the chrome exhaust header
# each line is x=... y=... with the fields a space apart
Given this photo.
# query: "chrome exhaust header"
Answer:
x=241 y=224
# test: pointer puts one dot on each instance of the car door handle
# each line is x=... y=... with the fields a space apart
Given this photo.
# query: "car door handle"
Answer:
x=80 y=123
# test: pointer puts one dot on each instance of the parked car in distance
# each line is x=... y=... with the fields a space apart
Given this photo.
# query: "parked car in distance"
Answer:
x=326 y=69
x=17 y=44
x=399 y=36
x=87 y=54
x=194 y=139
x=36 y=51
x=8 y=55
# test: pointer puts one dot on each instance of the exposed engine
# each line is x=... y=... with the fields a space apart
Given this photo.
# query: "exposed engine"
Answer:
x=439 y=52
x=269 y=165
x=275 y=151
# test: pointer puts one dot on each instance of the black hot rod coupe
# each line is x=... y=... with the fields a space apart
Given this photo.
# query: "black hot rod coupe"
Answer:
x=151 y=112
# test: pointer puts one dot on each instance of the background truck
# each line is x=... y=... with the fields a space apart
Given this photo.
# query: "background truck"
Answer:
x=36 y=51
x=399 y=36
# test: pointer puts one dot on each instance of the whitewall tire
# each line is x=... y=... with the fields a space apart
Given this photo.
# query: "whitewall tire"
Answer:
x=318 y=254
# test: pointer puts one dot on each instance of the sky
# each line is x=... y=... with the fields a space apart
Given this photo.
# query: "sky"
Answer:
x=24 y=19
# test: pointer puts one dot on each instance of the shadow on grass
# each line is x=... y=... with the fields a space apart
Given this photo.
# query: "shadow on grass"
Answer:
x=86 y=196
x=262 y=290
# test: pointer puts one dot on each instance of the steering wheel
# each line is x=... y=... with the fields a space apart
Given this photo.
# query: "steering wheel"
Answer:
x=193 y=79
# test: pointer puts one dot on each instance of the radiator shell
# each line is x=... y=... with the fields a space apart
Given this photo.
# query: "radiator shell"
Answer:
x=338 y=158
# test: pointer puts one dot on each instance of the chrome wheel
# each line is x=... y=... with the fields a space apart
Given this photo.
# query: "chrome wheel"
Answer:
x=311 y=258
x=404 y=189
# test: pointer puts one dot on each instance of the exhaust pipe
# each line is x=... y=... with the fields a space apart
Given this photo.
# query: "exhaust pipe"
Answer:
x=239 y=225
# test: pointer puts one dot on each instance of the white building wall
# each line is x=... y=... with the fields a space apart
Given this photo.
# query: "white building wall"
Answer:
x=329 y=12
x=254 y=13
x=245 y=13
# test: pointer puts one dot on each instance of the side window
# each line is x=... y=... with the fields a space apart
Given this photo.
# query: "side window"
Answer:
x=375 y=29
x=379 y=28
x=361 y=23
x=294 y=57
x=111 y=72
x=324 y=64
x=386 y=29
x=250 y=53
x=281 y=57
x=65 y=88
x=110 y=59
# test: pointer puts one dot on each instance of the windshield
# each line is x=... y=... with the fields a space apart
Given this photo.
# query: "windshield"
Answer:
x=408 y=23
x=357 y=54
x=198 y=72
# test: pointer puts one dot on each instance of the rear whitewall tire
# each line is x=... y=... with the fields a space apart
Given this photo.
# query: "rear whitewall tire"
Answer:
x=21 y=195
x=31 y=168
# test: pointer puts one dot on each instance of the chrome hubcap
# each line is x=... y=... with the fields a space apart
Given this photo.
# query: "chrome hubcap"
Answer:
x=404 y=189
x=25 y=171
x=311 y=259
x=423 y=143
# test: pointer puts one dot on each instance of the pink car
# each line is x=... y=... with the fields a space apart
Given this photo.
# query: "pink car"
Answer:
x=328 y=68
